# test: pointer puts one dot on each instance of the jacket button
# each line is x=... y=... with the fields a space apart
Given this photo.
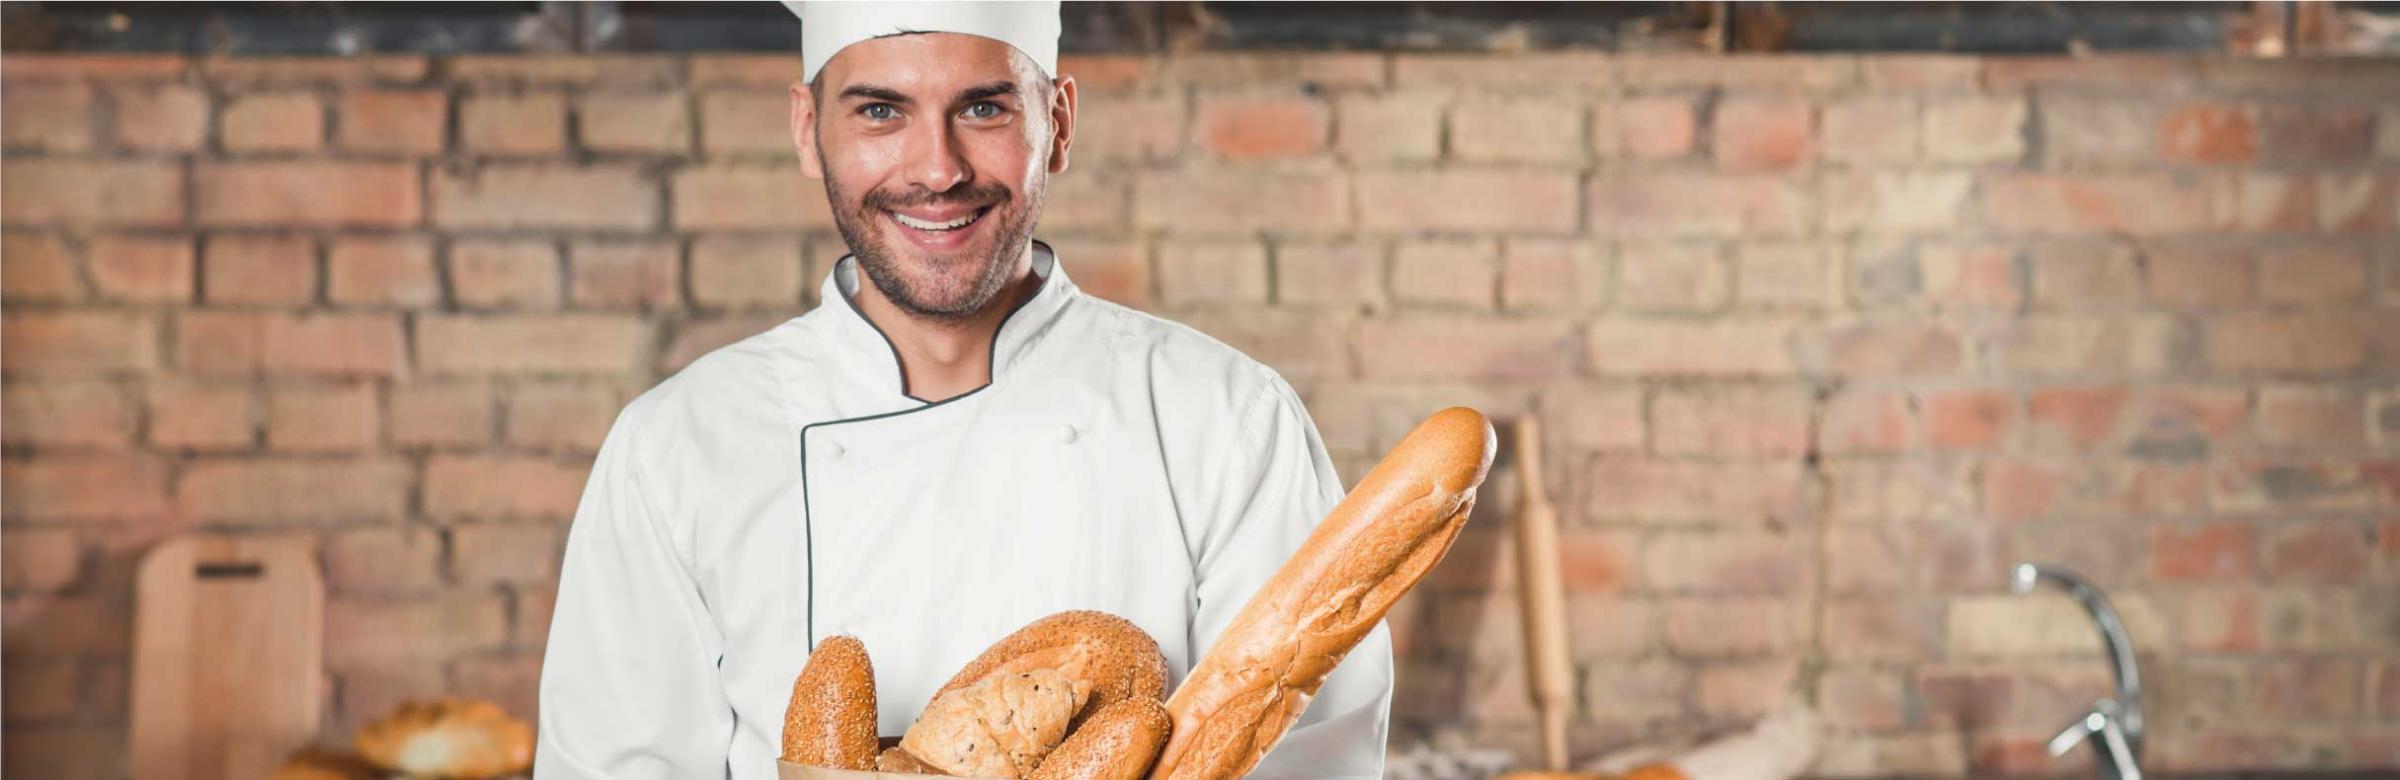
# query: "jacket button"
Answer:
x=1066 y=434
x=834 y=449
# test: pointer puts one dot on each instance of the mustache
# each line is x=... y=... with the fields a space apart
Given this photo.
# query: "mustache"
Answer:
x=970 y=195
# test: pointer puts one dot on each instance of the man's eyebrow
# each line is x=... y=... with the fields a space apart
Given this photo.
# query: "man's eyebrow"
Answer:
x=986 y=92
x=872 y=92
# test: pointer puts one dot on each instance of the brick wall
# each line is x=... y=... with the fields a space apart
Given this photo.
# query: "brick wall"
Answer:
x=1824 y=343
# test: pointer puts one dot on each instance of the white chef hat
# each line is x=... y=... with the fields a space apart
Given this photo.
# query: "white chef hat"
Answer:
x=826 y=26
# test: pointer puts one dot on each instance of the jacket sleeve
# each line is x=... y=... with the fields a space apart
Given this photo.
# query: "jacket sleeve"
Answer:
x=629 y=684
x=1277 y=484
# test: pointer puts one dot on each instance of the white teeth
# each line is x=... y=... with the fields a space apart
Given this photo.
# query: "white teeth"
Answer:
x=924 y=225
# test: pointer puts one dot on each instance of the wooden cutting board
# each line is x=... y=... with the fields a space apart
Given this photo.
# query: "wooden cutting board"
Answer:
x=228 y=656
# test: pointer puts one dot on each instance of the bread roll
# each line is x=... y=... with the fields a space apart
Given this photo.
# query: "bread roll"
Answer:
x=1383 y=537
x=897 y=759
x=1000 y=727
x=1108 y=657
x=449 y=737
x=830 y=721
x=1117 y=743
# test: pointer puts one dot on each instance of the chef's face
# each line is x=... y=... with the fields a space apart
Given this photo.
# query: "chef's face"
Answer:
x=936 y=150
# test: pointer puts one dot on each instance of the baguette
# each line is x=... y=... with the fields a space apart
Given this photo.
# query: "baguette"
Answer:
x=1383 y=537
x=830 y=722
x=1117 y=743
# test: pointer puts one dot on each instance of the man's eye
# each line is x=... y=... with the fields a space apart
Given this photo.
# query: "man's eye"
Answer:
x=878 y=111
x=985 y=110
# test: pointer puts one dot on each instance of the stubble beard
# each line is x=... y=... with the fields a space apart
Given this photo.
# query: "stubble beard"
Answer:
x=960 y=285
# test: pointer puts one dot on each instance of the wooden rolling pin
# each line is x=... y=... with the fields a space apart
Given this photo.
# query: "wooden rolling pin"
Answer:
x=1549 y=675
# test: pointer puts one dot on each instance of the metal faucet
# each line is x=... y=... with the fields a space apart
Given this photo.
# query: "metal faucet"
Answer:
x=2114 y=725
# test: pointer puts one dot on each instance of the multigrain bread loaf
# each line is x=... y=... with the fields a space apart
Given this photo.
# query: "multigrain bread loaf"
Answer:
x=1002 y=726
x=830 y=721
x=1383 y=537
x=1118 y=742
x=898 y=759
x=1108 y=657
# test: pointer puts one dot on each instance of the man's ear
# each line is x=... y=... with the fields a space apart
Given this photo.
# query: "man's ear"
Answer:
x=1062 y=118
x=804 y=130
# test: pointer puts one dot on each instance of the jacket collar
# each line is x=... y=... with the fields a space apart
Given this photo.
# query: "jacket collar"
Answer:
x=1020 y=332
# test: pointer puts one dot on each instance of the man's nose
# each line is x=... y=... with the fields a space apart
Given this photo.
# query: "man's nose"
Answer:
x=934 y=161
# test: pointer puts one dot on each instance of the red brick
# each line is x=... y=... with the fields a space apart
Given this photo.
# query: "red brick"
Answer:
x=1746 y=689
x=1725 y=563
x=41 y=689
x=1345 y=276
x=2313 y=274
x=93 y=192
x=369 y=692
x=70 y=67
x=2257 y=202
x=2303 y=416
x=1113 y=270
x=81 y=625
x=202 y=416
x=1083 y=201
x=1785 y=275
x=2312 y=134
x=1862 y=698
x=1645 y=128
x=1385 y=126
x=1667 y=347
x=141 y=269
x=40 y=268
x=1879 y=202
x=502 y=486
x=1868 y=559
x=87 y=342
x=2060 y=345
x=315 y=490
x=1261 y=125
x=533 y=123
x=504 y=274
x=517 y=344
x=1538 y=274
x=269 y=270
x=1595 y=417
x=1326 y=69
x=1745 y=626
x=1862 y=421
x=330 y=70
x=1881 y=628
x=1465 y=348
x=1466 y=199
x=74 y=414
x=2359 y=203
x=1243 y=201
x=610 y=69
x=392 y=121
x=1096 y=72
x=376 y=560
x=513 y=681
x=2208 y=133
x=1865 y=348
x=2073 y=418
x=698 y=336
x=1751 y=205
x=646 y=274
x=752 y=69
x=162 y=118
x=1975 y=130
x=2100 y=129
x=2331 y=551
x=217 y=343
x=1770 y=133
x=742 y=272
x=1870 y=129
x=2217 y=551
x=1884 y=71
x=1511 y=69
x=271 y=122
x=2199 y=276
x=1455 y=273
x=1205 y=274
x=359 y=632
x=1730 y=420
x=560 y=416
x=382 y=271
x=2089 y=72
x=39 y=559
x=488 y=554
x=724 y=197
x=49 y=117
x=2085 y=276
x=308 y=192
x=2314 y=688
x=637 y=123
x=534 y=606
x=1607 y=626
x=334 y=418
x=1732 y=494
x=2221 y=620
x=1129 y=128
x=1969 y=419
x=1813 y=73
x=441 y=415
x=1518 y=128
x=2288 y=342
x=594 y=197
x=1672 y=277
x=2185 y=422
x=2053 y=203
x=746 y=121
x=1637 y=690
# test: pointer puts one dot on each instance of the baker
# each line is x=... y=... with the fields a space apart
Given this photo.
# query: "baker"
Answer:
x=954 y=443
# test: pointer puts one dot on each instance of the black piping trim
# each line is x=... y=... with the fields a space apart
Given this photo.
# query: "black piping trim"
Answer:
x=808 y=526
x=993 y=351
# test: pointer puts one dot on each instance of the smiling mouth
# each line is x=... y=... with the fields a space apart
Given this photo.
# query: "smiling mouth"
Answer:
x=940 y=227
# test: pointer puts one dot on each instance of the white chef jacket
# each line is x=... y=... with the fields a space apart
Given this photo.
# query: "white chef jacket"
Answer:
x=784 y=489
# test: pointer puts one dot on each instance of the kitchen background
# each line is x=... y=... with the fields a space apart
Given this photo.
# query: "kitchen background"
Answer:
x=1824 y=340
